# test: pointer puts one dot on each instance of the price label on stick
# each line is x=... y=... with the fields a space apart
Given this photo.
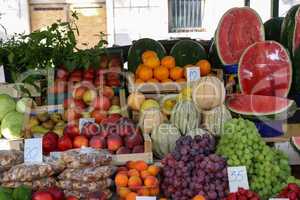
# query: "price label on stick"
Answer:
x=193 y=74
x=145 y=198
x=279 y=199
x=83 y=121
x=33 y=150
x=237 y=177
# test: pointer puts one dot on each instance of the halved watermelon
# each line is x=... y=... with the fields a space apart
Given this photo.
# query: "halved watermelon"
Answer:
x=265 y=69
x=295 y=141
x=290 y=31
x=237 y=29
x=261 y=107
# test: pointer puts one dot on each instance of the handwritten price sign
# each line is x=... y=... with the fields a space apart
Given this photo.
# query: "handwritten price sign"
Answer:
x=83 y=121
x=33 y=150
x=237 y=177
x=193 y=74
x=145 y=198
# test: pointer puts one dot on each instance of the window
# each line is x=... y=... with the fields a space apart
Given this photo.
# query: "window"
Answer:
x=185 y=15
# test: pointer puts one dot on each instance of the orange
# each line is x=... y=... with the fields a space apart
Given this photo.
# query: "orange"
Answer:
x=143 y=192
x=133 y=172
x=138 y=69
x=151 y=181
x=123 y=192
x=148 y=54
x=134 y=182
x=182 y=80
x=176 y=73
x=198 y=197
x=138 y=80
x=204 y=66
x=152 y=80
x=140 y=165
x=166 y=80
x=163 y=199
x=130 y=164
x=152 y=62
x=145 y=73
x=168 y=62
x=154 y=191
x=153 y=170
x=145 y=173
x=161 y=73
x=131 y=196
x=121 y=180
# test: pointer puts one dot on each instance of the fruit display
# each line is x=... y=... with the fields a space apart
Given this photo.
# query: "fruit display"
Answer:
x=243 y=194
x=232 y=35
x=149 y=119
x=214 y=120
x=267 y=168
x=137 y=178
x=291 y=191
x=43 y=122
x=258 y=106
x=256 y=73
x=185 y=116
x=164 y=138
x=193 y=169
x=208 y=93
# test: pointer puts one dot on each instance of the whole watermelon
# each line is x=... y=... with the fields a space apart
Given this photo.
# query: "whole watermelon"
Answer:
x=7 y=104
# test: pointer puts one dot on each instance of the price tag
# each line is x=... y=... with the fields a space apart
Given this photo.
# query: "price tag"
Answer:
x=193 y=74
x=145 y=198
x=279 y=199
x=83 y=121
x=237 y=177
x=2 y=75
x=33 y=150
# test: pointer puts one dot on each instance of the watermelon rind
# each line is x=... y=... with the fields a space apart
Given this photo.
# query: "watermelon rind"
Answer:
x=296 y=72
x=273 y=28
x=218 y=29
x=243 y=54
x=294 y=144
x=281 y=114
x=288 y=29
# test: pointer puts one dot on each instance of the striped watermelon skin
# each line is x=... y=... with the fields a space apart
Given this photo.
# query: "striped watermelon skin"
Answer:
x=273 y=28
x=288 y=29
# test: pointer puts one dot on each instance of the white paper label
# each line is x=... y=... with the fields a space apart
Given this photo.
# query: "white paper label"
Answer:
x=83 y=121
x=279 y=199
x=33 y=150
x=237 y=177
x=193 y=74
x=145 y=198
x=2 y=75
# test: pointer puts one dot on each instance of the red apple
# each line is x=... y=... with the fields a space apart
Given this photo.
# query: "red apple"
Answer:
x=90 y=129
x=89 y=74
x=97 y=142
x=64 y=143
x=42 y=195
x=103 y=62
x=80 y=141
x=123 y=150
x=68 y=103
x=99 y=82
x=114 y=142
x=79 y=91
x=99 y=115
x=114 y=82
x=79 y=105
x=101 y=103
x=72 y=130
x=75 y=79
x=111 y=119
x=138 y=149
x=56 y=192
x=133 y=140
x=71 y=198
x=107 y=92
x=76 y=72
x=50 y=140
x=71 y=114
x=62 y=74
x=115 y=63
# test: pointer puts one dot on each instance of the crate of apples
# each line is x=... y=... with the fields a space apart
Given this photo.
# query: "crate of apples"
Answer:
x=137 y=178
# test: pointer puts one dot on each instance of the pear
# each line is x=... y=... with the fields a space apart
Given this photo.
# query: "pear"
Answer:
x=55 y=117
x=48 y=124
x=33 y=121
x=59 y=131
x=42 y=117
x=60 y=124
x=86 y=115
x=38 y=130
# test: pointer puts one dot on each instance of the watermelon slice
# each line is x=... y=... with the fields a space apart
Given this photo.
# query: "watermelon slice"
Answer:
x=290 y=31
x=295 y=141
x=261 y=107
x=237 y=29
x=265 y=69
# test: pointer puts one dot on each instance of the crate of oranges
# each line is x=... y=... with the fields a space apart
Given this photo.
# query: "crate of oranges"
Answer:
x=137 y=178
x=155 y=75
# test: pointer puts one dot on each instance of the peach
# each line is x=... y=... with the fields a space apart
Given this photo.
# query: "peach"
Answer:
x=154 y=191
x=131 y=196
x=80 y=141
x=79 y=92
x=140 y=165
x=123 y=192
x=130 y=164
x=144 y=174
x=143 y=192
x=99 y=115
x=114 y=142
x=121 y=180
x=150 y=181
x=153 y=170
x=134 y=182
x=133 y=172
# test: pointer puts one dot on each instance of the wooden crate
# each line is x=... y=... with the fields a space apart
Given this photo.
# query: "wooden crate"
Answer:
x=158 y=88
x=147 y=156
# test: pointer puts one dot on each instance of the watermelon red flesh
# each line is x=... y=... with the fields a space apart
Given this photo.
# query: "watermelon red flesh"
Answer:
x=265 y=69
x=238 y=29
x=258 y=105
x=296 y=142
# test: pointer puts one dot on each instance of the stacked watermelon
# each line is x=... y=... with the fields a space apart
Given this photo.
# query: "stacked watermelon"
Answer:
x=264 y=67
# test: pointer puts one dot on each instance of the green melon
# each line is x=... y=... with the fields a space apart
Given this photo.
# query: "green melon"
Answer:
x=185 y=116
x=164 y=139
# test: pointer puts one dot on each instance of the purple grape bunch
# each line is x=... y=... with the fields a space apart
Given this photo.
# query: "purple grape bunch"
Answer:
x=193 y=168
